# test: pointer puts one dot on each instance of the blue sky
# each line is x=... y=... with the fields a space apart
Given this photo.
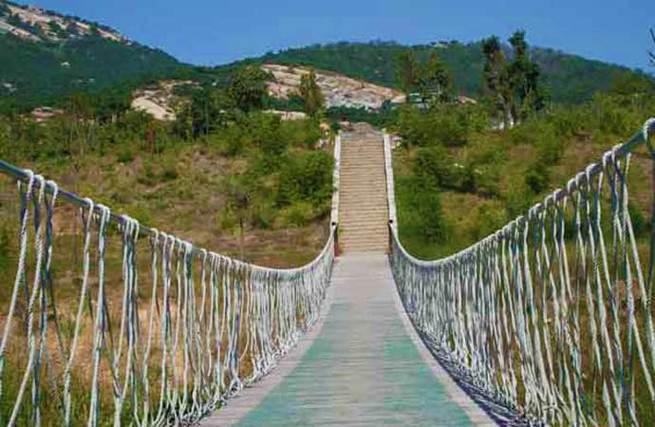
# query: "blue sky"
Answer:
x=219 y=31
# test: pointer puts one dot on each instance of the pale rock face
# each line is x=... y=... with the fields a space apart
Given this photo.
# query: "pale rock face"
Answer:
x=45 y=22
x=159 y=112
x=288 y=115
x=339 y=90
x=159 y=101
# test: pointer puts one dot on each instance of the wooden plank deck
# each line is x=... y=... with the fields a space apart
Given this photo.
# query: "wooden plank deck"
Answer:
x=365 y=366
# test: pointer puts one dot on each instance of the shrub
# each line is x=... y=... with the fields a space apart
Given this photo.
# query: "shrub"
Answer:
x=125 y=156
x=449 y=125
x=536 y=178
x=435 y=167
x=433 y=164
x=227 y=220
x=307 y=178
x=488 y=218
x=5 y=249
x=298 y=214
x=550 y=147
x=267 y=135
x=420 y=213
x=639 y=223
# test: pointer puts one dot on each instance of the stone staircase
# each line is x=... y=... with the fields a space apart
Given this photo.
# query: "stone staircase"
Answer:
x=363 y=194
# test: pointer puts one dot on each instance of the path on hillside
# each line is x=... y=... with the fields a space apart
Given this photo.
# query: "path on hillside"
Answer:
x=363 y=192
x=363 y=364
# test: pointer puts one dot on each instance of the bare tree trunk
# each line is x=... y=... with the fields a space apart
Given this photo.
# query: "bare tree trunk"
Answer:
x=242 y=239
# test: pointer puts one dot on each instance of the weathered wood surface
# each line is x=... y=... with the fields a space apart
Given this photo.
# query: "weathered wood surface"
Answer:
x=366 y=366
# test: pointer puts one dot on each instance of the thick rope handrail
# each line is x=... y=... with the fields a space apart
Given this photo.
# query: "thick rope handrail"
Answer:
x=173 y=346
x=554 y=335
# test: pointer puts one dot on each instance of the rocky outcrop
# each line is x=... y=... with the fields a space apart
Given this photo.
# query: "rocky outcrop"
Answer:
x=339 y=90
x=36 y=24
x=160 y=101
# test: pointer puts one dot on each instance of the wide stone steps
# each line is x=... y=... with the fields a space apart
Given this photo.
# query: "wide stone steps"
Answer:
x=361 y=168
x=366 y=211
x=363 y=194
x=358 y=224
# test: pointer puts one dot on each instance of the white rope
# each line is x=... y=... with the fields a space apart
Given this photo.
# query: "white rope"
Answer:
x=188 y=333
x=554 y=336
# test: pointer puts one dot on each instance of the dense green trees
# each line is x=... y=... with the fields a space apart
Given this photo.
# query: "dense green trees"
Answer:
x=569 y=79
x=248 y=87
x=496 y=78
x=208 y=110
x=430 y=80
x=407 y=71
x=434 y=83
x=513 y=86
x=524 y=74
x=38 y=77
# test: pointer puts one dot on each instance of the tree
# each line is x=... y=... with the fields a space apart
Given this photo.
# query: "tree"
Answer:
x=513 y=86
x=407 y=70
x=248 y=88
x=240 y=201
x=651 y=53
x=310 y=92
x=434 y=82
x=631 y=84
x=496 y=78
x=208 y=110
x=524 y=79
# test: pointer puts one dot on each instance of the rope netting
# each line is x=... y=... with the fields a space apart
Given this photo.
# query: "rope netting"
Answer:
x=551 y=317
x=161 y=333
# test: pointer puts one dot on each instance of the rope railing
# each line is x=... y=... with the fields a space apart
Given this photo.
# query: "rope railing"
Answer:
x=550 y=317
x=121 y=344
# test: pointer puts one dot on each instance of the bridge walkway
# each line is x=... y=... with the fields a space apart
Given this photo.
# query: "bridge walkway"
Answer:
x=363 y=364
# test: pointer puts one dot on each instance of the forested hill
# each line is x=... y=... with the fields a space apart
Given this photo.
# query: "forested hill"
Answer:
x=45 y=55
x=569 y=78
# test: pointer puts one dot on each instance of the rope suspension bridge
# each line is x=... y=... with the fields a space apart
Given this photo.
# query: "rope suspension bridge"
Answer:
x=548 y=321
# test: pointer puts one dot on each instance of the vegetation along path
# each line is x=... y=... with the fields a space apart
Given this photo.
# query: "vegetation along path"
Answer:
x=366 y=364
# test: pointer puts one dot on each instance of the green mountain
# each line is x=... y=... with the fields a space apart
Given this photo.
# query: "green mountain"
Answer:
x=569 y=78
x=45 y=55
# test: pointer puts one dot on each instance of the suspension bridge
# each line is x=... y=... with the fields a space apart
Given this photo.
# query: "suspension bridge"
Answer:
x=548 y=321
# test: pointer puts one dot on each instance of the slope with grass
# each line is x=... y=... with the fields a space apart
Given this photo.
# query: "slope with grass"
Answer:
x=457 y=182
x=192 y=188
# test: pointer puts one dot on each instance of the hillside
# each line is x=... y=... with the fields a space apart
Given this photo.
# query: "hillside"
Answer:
x=339 y=90
x=458 y=181
x=45 y=56
x=569 y=78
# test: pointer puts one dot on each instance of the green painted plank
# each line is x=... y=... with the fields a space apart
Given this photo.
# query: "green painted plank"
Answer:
x=362 y=369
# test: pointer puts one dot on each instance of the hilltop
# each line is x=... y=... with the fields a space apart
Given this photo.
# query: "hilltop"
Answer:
x=570 y=79
x=46 y=55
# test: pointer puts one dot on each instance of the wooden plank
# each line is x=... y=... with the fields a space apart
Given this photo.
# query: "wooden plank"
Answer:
x=367 y=366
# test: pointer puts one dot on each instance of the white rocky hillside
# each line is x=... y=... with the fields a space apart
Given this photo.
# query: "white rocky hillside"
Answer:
x=339 y=90
x=36 y=24
x=161 y=102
